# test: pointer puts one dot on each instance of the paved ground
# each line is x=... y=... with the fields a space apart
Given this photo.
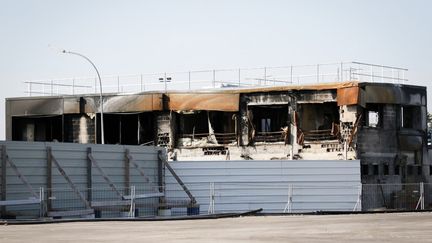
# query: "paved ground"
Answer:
x=396 y=227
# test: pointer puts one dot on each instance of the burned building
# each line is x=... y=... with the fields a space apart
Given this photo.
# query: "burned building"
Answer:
x=382 y=124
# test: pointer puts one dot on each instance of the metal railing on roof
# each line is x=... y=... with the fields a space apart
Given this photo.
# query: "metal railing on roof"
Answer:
x=222 y=78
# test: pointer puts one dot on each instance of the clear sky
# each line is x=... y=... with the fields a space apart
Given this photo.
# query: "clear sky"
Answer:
x=124 y=37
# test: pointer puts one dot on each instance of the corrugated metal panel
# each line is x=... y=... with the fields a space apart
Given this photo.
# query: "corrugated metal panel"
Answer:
x=31 y=160
x=246 y=185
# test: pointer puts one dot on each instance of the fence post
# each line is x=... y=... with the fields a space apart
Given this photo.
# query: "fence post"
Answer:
x=421 y=199
x=214 y=78
x=318 y=73
x=73 y=86
x=141 y=80
x=211 y=209
x=341 y=72
x=132 y=202
x=41 y=202
x=189 y=73
x=359 y=199
x=118 y=84
x=239 y=77
x=288 y=206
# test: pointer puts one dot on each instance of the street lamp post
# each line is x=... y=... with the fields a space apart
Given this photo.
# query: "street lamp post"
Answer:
x=100 y=94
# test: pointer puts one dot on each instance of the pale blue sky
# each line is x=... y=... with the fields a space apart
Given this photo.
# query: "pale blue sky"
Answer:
x=124 y=37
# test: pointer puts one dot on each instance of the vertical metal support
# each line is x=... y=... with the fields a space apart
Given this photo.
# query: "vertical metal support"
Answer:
x=288 y=206
x=291 y=74
x=239 y=77
x=189 y=73
x=341 y=72
x=372 y=74
x=127 y=169
x=265 y=76
x=141 y=81
x=318 y=73
x=30 y=89
x=118 y=84
x=160 y=176
x=214 y=78
x=52 y=87
x=89 y=176
x=211 y=209
x=132 y=202
x=357 y=206
x=382 y=74
x=73 y=86
x=42 y=210
x=422 y=207
x=421 y=198
x=165 y=82
x=49 y=178
x=3 y=179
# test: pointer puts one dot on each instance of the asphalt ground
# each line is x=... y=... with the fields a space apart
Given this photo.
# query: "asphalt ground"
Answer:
x=383 y=227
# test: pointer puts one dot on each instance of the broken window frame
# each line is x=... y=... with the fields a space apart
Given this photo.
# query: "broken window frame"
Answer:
x=270 y=133
x=370 y=109
x=317 y=134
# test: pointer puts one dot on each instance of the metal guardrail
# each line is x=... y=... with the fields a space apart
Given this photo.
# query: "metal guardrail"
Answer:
x=221 y=78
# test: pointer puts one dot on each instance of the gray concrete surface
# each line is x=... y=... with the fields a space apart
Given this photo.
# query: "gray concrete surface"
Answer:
x=396 y=227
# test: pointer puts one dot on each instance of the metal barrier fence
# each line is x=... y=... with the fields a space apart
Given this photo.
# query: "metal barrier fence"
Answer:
x=221 y=78
x=220 y=197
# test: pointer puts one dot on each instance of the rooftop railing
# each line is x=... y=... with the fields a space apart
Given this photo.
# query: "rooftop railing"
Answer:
x=221 y=78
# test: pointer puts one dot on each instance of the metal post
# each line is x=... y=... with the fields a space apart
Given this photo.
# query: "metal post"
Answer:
x=341 y=71
x=214 y=78
x=382 y=74
x=49 y=178
x=132 y=202
x=141 y=80
x=421 y=198
x=265 y=76
x=211 y=209
x=291 y=73
x=371 y=73
x=318 y=71
x=359 y=199
x=89 y=176
x=189 y=80
x=29 y=89
x=239 y=77
x=288 y=206
x=165 y=82
x=118 y=84
x=41 y=202
x=73 y=86
x=52 y=91
x=3 y=179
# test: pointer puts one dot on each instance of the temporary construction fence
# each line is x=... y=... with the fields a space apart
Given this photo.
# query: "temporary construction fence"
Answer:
x=241 y=185
x=61 y=179
x=215 y=198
